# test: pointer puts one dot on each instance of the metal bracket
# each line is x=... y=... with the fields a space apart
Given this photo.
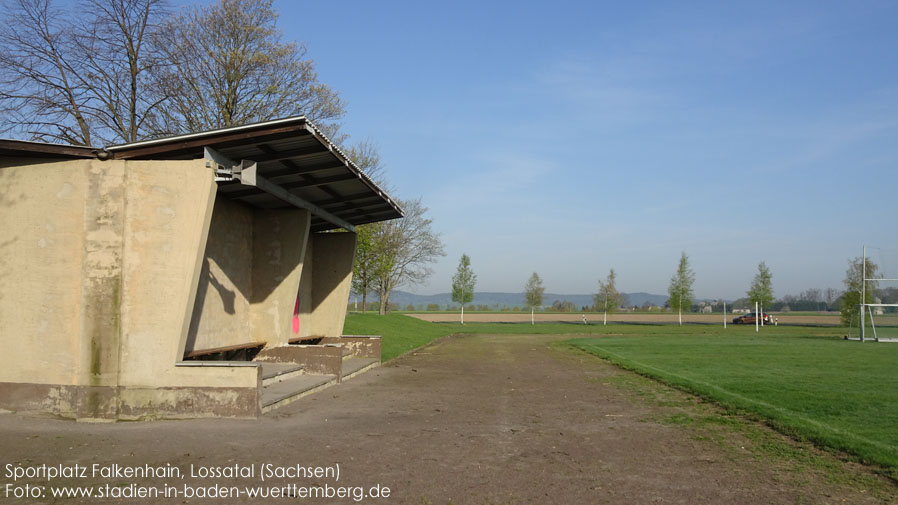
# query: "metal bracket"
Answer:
x=227 y=169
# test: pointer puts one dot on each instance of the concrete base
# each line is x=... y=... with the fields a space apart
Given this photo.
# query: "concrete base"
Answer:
x=86 y=403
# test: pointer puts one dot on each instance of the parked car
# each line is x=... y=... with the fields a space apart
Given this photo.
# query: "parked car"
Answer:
x=750 y=318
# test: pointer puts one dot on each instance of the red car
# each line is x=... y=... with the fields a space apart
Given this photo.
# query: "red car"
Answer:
x=751 y=317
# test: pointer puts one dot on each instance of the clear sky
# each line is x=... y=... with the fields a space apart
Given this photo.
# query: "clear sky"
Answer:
x=568 y=138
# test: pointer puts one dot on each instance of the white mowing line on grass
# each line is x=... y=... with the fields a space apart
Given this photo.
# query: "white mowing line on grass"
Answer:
x=783 y=410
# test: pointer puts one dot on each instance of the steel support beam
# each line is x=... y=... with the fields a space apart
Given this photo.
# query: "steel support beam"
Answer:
x=245 y=172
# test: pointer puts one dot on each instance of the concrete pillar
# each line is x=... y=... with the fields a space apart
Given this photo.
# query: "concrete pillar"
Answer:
x=328 y=283
x=279 y=244
x=167 y=219
x=101 y=290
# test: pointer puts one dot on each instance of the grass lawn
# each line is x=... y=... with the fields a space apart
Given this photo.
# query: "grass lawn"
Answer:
x=806 y=382
x=402 y=333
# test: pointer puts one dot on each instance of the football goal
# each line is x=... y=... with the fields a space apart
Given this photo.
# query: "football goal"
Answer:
x=877 y=314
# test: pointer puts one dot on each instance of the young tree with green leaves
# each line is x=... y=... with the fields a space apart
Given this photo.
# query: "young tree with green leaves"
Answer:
x=856 y=290
x=680 y=289
x=608 y=299
x=533 y=294
x=463 y=284
x=761 y=290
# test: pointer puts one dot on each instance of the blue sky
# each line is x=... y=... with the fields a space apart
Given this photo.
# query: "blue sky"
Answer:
x=568 y=138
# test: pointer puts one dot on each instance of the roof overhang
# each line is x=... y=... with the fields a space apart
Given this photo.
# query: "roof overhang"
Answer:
x=27 y=149
x=296 y=164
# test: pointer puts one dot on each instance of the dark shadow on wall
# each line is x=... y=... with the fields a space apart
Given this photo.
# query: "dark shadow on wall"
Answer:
x=226 y=295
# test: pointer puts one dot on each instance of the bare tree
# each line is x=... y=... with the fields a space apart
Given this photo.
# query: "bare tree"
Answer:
x=123 y=70
x=115 y=50
x=41 y=95
x=227 y=66
x=366 y=156
x=77 y=79
x=408 y=247
x=829 y=296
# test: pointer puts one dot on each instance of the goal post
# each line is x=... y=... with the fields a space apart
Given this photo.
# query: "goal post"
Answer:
x=875 y=318
x=879 y=322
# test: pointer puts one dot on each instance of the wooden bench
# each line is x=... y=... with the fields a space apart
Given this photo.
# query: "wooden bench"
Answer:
x=240 y=352
x=310 y=340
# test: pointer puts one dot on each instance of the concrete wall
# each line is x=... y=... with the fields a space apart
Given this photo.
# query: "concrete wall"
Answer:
x=111 y=270
x=280 y=239
x=326 y=282
x=249 y=278
x=100 y=263
x=221 y=314
x=42 y=215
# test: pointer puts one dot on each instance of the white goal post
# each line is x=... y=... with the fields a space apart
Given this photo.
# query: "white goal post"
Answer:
x=872 y=310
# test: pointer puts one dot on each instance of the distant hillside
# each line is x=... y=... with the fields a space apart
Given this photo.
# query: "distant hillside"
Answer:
x=499 y=300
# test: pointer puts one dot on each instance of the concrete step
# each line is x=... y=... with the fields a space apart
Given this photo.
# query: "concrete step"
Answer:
x=279 y=393
x=347 y=354
x=288 y=391
x=279 y=372
x=356 y=366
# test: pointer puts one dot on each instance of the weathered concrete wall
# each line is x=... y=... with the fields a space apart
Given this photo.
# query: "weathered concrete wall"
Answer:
x=316 y=359
x=168 y=216
x=250 y=275
x=305 y=289
x=99 y=267
x=361 y=346
x=41 y=252
x=331 y=281
x=221 y=313
x=279 y=243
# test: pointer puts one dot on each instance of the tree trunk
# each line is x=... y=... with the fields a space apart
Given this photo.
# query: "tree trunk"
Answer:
x=364 y=301
x=462 y=313
x=680 y=314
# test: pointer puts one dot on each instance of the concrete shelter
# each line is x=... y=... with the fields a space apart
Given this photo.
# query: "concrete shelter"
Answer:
x=190 y=276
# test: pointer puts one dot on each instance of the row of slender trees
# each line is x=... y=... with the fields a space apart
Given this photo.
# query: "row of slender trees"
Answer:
x=608 y=299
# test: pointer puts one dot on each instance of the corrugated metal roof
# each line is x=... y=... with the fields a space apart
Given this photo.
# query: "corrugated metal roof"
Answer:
x=291 y=153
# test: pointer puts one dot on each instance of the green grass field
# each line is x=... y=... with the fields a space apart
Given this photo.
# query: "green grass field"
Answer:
x=806 y=382
x=803 y=381
x=402 y=333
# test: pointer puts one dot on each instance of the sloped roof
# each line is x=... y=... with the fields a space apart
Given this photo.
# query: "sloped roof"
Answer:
x=291 y=153
x=28 y=149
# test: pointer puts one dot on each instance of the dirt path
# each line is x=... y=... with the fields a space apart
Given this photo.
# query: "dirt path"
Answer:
x=473 y=420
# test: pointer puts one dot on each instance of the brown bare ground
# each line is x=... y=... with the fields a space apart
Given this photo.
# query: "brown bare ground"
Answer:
x=478 y=420
x=550 y=317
